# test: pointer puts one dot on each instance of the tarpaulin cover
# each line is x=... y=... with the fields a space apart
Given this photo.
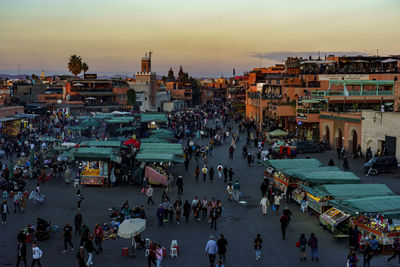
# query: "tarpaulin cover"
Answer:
x=386 y=205
x=154 y=140
x=284 y=164
x=294 y=172
x=151 y=157
x=121 y=120
x=156 y=117
x=278 y=132
x=93 y=153
x=335 y=177
x=101 y=143
x=125 y=129
x=162 y=131
x=154 y=177
x=346 y=191
x=165 y=145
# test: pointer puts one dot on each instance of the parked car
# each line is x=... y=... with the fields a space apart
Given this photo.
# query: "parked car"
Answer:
x=380 y=164
x=307 y=147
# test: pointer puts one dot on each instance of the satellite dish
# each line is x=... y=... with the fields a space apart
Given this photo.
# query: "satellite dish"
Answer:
x=59 y=101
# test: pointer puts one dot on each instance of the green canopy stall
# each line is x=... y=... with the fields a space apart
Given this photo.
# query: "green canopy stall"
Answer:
x=153 y=117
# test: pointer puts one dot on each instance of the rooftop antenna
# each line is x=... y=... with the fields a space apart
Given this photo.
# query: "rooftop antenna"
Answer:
x=260 y=63
x=377 y=52
x=150 y=54
x=19 y=69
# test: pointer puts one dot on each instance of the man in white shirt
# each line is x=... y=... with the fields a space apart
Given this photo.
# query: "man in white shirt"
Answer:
x=36 y=255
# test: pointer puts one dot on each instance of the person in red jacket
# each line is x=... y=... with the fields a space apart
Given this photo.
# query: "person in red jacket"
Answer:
x=98 y=238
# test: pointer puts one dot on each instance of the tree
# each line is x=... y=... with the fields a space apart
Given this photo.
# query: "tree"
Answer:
x=75 y=65
x=85 y=68
x=164 y=79
x=131 y=97
x=171 y=76
x=195 y=90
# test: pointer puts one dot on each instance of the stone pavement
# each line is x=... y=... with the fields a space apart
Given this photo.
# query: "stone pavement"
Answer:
x=239 y=223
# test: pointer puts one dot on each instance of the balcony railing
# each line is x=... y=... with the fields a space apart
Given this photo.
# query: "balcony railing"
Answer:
x=353 y=93
x=308 y=111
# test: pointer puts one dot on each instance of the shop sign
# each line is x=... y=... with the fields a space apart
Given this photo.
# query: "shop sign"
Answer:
x=90 y=76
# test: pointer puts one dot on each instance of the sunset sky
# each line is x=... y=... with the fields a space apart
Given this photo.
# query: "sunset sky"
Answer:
x=208 y=37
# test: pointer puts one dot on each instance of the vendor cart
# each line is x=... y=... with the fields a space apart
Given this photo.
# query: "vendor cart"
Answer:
x=335 y=221
x=37 y=198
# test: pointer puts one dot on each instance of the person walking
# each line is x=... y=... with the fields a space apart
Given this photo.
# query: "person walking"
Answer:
x=67 y=234
x=186 y=210
x=89 y=248
x=37 y=254
x=264 y=203
x=197 y=173
x=78 y=222
x=186 y=163
x=150 y=192
x=211 y=249
x=179 y=183
x=98 y=238
x=221 y=244
x=396 y=249
x=277 y=202
x=313 y=244
x=230 y=174
x=204 y=172
x=345 y=164
x=302 y=247
x=85 y=233
x=79 y=198
x=220 y=170
x=80 y=256
x=225 y=170
x=21 y=253
x=213 y=217
x=4 y=211
x=284 y=220
x=159 y=255
x=258 y=246
x=236 y=190
x=211 y=174
x=367 y=255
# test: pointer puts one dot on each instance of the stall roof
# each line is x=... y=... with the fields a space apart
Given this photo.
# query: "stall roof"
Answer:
x=162 y=131
x=386 y=205
x=346 y=191
x=152 y=157
x=153 y=140
x=126 y=129
x=285 y=164
x=101 y=143
x=334 y=177
x=93 y=153
x=120 y=120
x=294 y=172
x=156 y=117
x=165 y=145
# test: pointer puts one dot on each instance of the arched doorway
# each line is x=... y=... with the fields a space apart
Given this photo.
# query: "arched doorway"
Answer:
x=340 y=138
x=327 y=134
x=355 y=143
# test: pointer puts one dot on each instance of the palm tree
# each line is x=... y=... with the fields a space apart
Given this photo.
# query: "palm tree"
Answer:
x=85 y=68
x=75 y=65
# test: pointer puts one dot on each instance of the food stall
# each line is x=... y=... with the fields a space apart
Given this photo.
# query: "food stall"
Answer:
x=95 y=163
x=159 y=157
x=153 y=119
x=306 y=181
x=281 y=166
x=377 y=215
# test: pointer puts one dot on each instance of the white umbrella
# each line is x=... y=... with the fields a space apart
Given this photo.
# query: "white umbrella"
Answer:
x=130 y=228
x=90 y=98
x=78 y=84
x=68 y=144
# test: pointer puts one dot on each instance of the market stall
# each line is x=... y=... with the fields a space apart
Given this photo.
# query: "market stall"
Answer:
x=95 y=163
x=374 y=216
x=153 y=120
